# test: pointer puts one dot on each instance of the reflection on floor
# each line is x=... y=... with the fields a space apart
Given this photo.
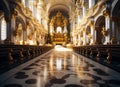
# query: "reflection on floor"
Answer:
x=59 y=68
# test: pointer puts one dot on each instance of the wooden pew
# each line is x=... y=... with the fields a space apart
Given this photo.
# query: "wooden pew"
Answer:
x=6 y=56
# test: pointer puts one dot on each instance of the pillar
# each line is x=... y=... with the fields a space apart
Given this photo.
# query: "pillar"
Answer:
x=114 y=33
x=107 y=29
x=74 y=33
x=39 y=11
x=85 y=37
x=71 y=33
x=106 y=13
x=27 y=3
x=10 y=28
x=91 y=3
x=13 y=28
x=75 y=40
x=93 y=32
x=79 y=39
x=24 y=36
x=84 y=9
x=40 y=39
x=95 y=37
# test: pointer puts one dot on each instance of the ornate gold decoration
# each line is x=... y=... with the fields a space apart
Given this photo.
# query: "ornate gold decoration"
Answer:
x=89 y=36
x=104 y=31
x=14 y=13
x=106 y=13
x=58 y=36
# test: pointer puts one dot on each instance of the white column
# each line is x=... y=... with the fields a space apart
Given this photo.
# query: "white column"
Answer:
x=107 y=27
x=27 y=3
x=45 y=24
x=65 y=29
x=51 y=29
x=23 y=1
x=73 y=24
x=24 y=36
x=34 y=11
x=91 y=3
x=71 y=33
x=113 y=28
x=75 y=40
x=79 y=39
x=9 y=32
x=12 y=28
x=115 y=32
x=93 y=35
x=78 y=15
x=39 y=11
x=85 y=38
x=40 y=39
x=84 y=9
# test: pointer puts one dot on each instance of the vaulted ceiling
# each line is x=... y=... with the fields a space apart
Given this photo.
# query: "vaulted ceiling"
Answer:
x=53 y=6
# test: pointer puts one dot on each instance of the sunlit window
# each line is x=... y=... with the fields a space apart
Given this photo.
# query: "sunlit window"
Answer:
x=59 y=29
x=3 y=29
x=23 y=1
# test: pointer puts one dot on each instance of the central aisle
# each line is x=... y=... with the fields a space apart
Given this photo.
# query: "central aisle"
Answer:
x=61 y=68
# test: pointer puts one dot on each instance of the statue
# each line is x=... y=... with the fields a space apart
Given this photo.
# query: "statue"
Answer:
x=65 y=22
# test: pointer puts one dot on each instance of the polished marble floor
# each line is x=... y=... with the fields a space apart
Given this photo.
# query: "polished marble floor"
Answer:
x=60 y=67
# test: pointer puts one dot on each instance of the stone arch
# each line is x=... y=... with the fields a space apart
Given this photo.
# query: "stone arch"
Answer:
x=115 y=8
x=19 y=29
x=4 y=6
x=99 y=24
x=116 y=19
x=20 y=20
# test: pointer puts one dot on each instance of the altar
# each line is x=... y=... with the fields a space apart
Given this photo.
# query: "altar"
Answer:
x=59 y=39
x=58 y=29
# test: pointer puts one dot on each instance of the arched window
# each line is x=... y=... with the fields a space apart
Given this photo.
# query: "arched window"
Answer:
x=59 y=29
x=3 y=29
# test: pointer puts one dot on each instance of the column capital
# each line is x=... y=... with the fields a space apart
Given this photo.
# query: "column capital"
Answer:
x=15 y=13
x=91 y=23
x=83 y=4
x=106 y=13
